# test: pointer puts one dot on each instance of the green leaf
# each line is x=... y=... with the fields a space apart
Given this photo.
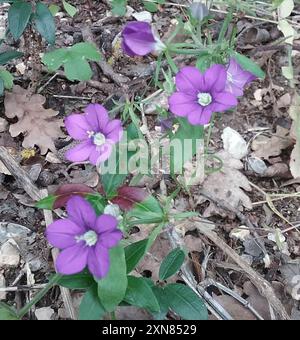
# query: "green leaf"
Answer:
x=190 y=136
x=7 y=313
x=171 y=264
x=71 y=10
x=1 y=87
x=82 y=280
x=111 y=182
x=134 y=253
x=149 y=209
x=78 y=68
x=45 y=23
x=7 y=78
x=150 y=6
x=184 y=302
x=18 y=17
x=140 y=294
x=162 y=301
x=46 y=203
x=112 y=289
x=74 y=60
x=90 y=307
x=54 y=9
x=5 y=57
x=85 y=50
x=248 y=65
x=118 y=7
x=97 y=201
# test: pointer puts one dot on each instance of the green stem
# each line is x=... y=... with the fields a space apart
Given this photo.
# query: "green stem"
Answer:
x=225 y=26
x=170 y=61
x=211 y=125
x=53 y=282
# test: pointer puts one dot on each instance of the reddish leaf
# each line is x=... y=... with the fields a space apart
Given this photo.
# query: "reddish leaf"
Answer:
x=128 y=196
x=65 y=191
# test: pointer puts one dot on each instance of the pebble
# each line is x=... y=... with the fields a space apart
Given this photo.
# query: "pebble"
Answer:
x=2 y=285
x=3 y=125
x=44 y=313
x=9 y=254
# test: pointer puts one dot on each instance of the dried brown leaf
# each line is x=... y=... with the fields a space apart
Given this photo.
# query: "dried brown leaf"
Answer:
x=39 y=125
x=265 y=147
x=228 y=185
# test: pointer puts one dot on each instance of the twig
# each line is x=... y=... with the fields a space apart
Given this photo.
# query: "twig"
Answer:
x=23 y=178
x=260 y=283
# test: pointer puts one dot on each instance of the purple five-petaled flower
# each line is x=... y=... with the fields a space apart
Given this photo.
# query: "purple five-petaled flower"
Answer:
x=237 y=78
x=199 y=95
x=139 y=39
x=84 y=238
x=96 y=132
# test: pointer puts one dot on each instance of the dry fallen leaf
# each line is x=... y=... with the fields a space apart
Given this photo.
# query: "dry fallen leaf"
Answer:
x=265 y=147
x=36 y=123
x=295 y=134
x=228 y=185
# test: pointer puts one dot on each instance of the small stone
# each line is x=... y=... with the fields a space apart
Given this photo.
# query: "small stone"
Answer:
x=9 y=254
x=240 y=233
x=46 y=178
x=3 y=125
x=44 y=313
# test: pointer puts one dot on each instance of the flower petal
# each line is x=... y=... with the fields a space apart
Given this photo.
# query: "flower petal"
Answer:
x=105 y=223
x=189 y=80
x=111 y=239
x=194 y=116
x=181 y=104
x=61 y=234
x=224 y=101
x=215 y=78
x=77 y=126
x=101 y=154
x=97 y=117
x=81 y=152
x=81 y=212
x=98 y=261
x=73 y=259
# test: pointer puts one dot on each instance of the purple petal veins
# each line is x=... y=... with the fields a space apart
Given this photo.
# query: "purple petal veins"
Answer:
x=237 y=78
x=96 y=133
x=139 y=39
x=84 y=239
x=199 y=95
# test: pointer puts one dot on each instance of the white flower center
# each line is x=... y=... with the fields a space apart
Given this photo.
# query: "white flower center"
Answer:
x=99 y=139
x=204 y=98
x=90 y=238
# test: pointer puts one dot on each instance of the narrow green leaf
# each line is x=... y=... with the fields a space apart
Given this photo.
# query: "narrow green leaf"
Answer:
x=18 y=17
x=7 y=313
x=171 y=264
x=119 y=7
x=140 y=294
x=134 y=253
x=184 y=302
x=248 y=65
x=5 y=57
x=82 y=280
x=46 y=203
x=90 y=307
x=54 y=9
x=45 y=23
x=112 y=289
x=1 y=87
x=97 y=201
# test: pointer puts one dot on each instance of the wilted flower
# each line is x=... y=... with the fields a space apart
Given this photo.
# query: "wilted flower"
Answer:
x=96 y=132
x=199 y=95
x=113 y=210
x=237 y=78
x=139 y=39
x=199 y=11
x=84 y=238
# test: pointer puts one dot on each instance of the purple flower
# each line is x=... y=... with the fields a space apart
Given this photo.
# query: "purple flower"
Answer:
x=84 y=238
x=96 y=132
x=139 y=39
x=199 y=95
x=237 y=78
